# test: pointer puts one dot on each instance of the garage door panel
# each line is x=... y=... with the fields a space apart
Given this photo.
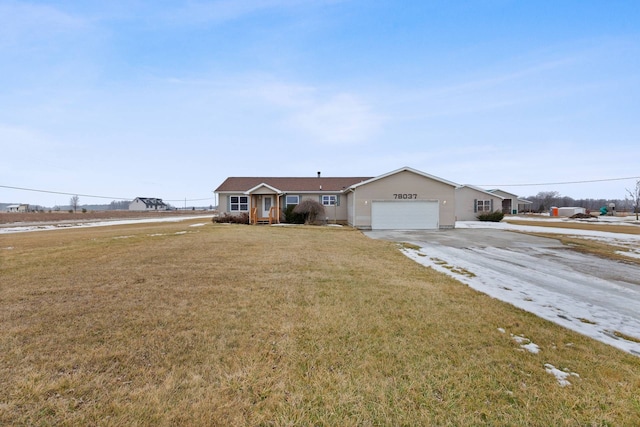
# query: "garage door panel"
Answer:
x=405 y=215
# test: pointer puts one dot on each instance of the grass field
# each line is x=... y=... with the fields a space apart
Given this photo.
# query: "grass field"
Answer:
x=171 y=324
x=53 y=217
x=606 y=249
x=607 y=227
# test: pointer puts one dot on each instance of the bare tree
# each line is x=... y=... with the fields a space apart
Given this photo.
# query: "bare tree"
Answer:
x=547 y=199
x=635 y=198
x=310 y=209
x=119 y=205
x=74 y=202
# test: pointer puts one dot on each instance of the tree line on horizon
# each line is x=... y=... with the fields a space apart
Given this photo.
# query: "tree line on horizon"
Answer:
x=544 y=200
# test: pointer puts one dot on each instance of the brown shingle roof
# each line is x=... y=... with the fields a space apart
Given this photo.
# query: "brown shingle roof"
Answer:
x=290 y=185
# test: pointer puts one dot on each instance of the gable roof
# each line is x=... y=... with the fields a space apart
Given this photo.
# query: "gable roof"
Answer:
x=497 y=191
x=150 y=201
x=404 y=169
x=263 y=185
x=288 y=185
x=473 y=187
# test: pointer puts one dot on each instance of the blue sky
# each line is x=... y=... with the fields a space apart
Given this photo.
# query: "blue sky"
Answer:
x=168 y=98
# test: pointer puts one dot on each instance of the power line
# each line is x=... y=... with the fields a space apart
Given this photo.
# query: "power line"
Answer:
x=189 y=200
x=209 y=198
x=92 y=195
x=558 y=183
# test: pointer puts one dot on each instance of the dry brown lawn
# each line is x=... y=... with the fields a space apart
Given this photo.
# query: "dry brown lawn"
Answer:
x=167 y=324
x=598 y=226
x=585 y=245
x=53 y=217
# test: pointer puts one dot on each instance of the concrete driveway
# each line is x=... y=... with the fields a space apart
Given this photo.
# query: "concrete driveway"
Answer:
x=591 y=295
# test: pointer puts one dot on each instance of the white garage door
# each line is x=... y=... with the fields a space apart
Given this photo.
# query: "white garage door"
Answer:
x=404 y=215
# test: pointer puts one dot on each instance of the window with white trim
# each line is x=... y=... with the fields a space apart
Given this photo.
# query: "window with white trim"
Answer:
x=483 y=206
x=329 y=200
x=291 y=200
x=238 y=203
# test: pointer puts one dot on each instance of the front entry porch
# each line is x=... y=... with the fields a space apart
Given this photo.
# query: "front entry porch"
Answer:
x=265 y=209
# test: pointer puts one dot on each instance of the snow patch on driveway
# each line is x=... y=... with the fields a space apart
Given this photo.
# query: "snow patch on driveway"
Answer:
x=542 y=281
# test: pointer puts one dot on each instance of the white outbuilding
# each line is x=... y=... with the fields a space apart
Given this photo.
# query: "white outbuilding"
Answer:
x=571 y=211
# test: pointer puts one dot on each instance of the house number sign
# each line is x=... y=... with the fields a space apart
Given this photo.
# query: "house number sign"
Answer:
x=406 y=196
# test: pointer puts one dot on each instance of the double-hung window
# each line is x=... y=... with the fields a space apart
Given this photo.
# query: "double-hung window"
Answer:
x=329 y=200
x=483 y=206
x=291 y=200
x=238 y=203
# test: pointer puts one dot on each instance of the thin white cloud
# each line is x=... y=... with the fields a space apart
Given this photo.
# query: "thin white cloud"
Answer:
x=228 y=10
x=21 y=140
x=534 y=78
x=20 y=22
x=343 y=118
x=508 y=76
x=285 y=95
x=318 y=115
x=25 y=152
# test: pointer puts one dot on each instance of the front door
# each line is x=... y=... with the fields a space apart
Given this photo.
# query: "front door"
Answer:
x=506 y=206
x=267 y=202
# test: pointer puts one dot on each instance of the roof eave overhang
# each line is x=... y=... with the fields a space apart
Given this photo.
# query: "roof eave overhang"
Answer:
x=404 y=169
x=265 y=185
x=480 y=190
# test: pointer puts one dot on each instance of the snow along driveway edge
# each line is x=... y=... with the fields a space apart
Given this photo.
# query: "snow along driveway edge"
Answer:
x=585 y=317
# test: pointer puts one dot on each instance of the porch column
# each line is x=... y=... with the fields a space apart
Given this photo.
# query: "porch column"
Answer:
x=278 y=208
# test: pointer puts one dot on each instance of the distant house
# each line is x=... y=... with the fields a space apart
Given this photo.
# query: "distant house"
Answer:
x=147 y=204
x=510 y=202
x=23 y=207
x=472 y=201
x=524 y=205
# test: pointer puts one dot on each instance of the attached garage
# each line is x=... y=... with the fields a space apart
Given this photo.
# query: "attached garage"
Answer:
x=405 y=215
x=405 y=199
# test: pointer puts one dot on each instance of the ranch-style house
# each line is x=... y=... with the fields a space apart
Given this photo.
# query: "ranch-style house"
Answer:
x=405 y=198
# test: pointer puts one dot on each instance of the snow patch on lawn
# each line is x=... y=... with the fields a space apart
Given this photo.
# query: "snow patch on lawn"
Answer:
x=631 y=254
x=531 y=348
x=58 y=226
x=526 y=344
x=588 y=234
x=561 y=376
x=177 y=233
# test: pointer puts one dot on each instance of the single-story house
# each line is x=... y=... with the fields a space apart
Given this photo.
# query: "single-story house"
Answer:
x=402 y=199
x=472 y=201
x=524 y=205
x=147 y=204
x=510 y=201
x=23 y=207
